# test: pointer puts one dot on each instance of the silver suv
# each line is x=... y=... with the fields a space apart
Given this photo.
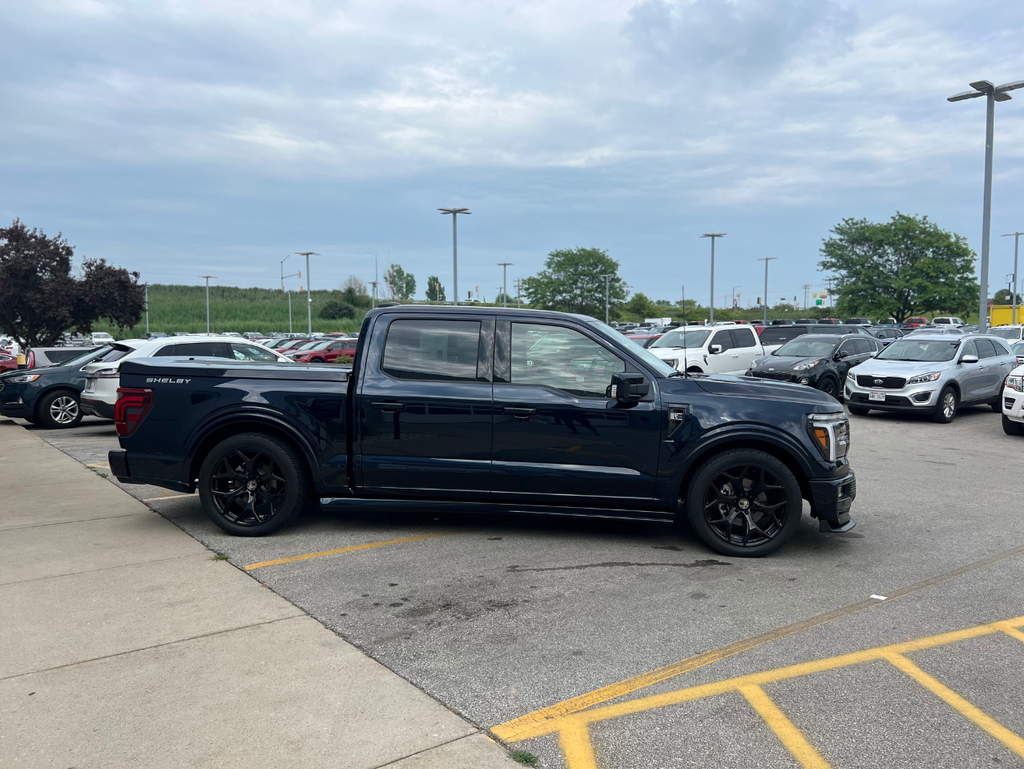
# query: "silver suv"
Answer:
x=932 y=373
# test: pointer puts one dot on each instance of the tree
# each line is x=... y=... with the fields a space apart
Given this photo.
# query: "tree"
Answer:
x=40 y=299
x=571 y=282
x=906 y=266
x=640 y=306
x=505 y=300
x=356 y=284
x=401 y=284
x=1002 y=296
x=435 y=291
x=336 y=309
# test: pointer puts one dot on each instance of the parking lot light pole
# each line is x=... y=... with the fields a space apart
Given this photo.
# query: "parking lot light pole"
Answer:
x=606 y=279
x=992 y=94
x=1016 y=252
x=283 y=276
x=309 y=293
x=455 y=247
x=504 y=282
x=764 y=307
x=208 y=300
x=713 y=236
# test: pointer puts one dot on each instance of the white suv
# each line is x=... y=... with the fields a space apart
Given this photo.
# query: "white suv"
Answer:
x=1013 y=402
x=709 y=350
x=102 y=379
x=947 y=322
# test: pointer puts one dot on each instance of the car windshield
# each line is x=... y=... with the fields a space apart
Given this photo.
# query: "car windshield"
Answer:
x=932 y=350
x=316 y=345
x=1006 y=333
x=290 y=343
x=802 y=347
x=618 y=341
x=683 y=337
x=1018 y=349
x=86 y=357
x=306 y=345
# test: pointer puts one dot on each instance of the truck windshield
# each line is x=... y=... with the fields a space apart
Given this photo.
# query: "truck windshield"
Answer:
x=683 y=337
x=931 y=350
x=1006 y=333
x=620 y=341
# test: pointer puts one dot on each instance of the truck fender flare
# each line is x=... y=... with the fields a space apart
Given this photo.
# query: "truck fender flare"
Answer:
x=249 y=419
x=752 y=436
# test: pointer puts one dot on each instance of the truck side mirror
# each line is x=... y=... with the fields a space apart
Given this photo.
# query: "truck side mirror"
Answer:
x=629 y=387
x=715 y=349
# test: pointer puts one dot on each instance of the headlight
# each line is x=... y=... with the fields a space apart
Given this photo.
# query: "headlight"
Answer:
x=809 y=364
x=673 y=362
x=830 y=433
x=922 y=378
x=1015 y=383
x=22 y=378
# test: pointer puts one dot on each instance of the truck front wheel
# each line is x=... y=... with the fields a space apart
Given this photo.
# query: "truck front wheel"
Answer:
x=253 y=484
x=744 y=502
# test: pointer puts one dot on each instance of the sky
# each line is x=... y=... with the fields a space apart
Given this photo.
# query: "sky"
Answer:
x=181 y=138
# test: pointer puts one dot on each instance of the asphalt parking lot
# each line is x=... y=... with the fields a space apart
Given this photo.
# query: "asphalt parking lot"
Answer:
x=609 y=644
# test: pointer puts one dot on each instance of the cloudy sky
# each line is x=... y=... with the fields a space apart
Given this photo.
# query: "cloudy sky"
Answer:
x=184 y=137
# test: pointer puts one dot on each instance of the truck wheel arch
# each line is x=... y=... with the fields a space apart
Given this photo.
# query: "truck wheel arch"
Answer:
x=253 y=424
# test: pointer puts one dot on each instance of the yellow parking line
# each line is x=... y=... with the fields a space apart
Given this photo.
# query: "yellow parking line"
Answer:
x=530 y=723
x=574 y=741
x=1012 y=632
x=784 y=729
x=351 y=549
x=947 y=695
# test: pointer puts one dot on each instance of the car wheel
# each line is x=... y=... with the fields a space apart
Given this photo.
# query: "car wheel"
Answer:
x=316 y=360
x=252 y=484
x=828 y=386
x=59 y=410
x=858 y=411
x=744 y=503
x=694 y=370
x=946 y=409
x=1012 y=428
x=997 y=406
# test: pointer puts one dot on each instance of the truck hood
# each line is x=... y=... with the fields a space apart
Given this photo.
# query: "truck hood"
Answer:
x=749 y=387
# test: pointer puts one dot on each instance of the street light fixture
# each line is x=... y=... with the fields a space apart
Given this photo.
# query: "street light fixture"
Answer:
x=765 y=305
x=455 y=247
x=606 y=279
x=208 y=300
x=713 y=236
x=1016 y=252
x=309 y=293
x=992 y=94
x=504 y=282
x=283 y=276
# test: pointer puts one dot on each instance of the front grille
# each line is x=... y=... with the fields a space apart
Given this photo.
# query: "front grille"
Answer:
x=781 y=376
x=883 y=382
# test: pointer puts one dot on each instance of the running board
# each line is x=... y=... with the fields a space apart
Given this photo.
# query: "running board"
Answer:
x=363 y=504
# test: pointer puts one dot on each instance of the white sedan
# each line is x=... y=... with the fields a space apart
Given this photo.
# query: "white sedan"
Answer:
x=100 y=393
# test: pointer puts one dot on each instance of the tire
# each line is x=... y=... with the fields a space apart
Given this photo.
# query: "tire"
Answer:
x=829 y=387
x=726 y=520
x=59 y=410
x=997 y=406
x=945 y=412
x=858 y=411
x=253 y=484
x=316 y=360
x=694 y=370
x=1012 y=428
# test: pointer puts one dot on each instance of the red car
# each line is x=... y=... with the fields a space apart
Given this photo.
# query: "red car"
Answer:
x=327 y=351
x=7 y=362
x=917 y=322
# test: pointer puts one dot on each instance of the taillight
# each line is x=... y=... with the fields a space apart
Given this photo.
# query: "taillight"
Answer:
x=133 y=403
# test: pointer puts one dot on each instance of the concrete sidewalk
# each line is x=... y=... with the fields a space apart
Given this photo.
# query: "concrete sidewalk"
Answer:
x=124 y=643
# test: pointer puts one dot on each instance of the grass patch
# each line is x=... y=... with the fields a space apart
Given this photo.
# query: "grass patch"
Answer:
x=219 y=557
x=524 y=757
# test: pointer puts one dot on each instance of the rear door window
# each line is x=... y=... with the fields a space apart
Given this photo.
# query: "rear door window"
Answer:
x=436 y=350
x=252 y=353
x=985 y=348
x=743 y=337
x=202 y=349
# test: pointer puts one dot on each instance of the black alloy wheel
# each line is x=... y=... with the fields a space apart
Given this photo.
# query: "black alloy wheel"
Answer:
x=828 y=386
x=744 y=502
x=252 y=484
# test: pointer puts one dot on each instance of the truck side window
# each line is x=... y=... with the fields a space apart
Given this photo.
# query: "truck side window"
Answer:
x=553 y=356
x=432 y=349
x=722 y=338
x=742 y=337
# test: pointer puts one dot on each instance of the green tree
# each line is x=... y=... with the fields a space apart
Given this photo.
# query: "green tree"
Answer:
x=336 y=309
x=1002 y=296
x=40 y=299
x=401 y=284
x=435 y=291
x=571 y=282
x=903 y=267
x=639 y=307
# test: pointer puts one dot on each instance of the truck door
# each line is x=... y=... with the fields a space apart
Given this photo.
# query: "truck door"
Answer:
x=559 y=438
x=424 y=409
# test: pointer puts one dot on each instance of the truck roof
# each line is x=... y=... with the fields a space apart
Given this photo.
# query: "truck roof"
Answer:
x=511 y=312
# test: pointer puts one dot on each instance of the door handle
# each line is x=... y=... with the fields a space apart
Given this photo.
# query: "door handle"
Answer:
x=519 y=413
x=389 y=407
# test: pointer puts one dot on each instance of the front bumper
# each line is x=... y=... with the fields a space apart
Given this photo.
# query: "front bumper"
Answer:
x=831 y=500
x=918 y=397
x=1013 y=405
x=97 y=408
x=12 y=401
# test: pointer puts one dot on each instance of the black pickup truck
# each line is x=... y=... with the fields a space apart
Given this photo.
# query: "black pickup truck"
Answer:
x=487 y=409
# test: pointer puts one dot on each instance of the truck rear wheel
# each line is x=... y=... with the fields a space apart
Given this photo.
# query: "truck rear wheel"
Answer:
x=253 y=484
x=744 y=503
